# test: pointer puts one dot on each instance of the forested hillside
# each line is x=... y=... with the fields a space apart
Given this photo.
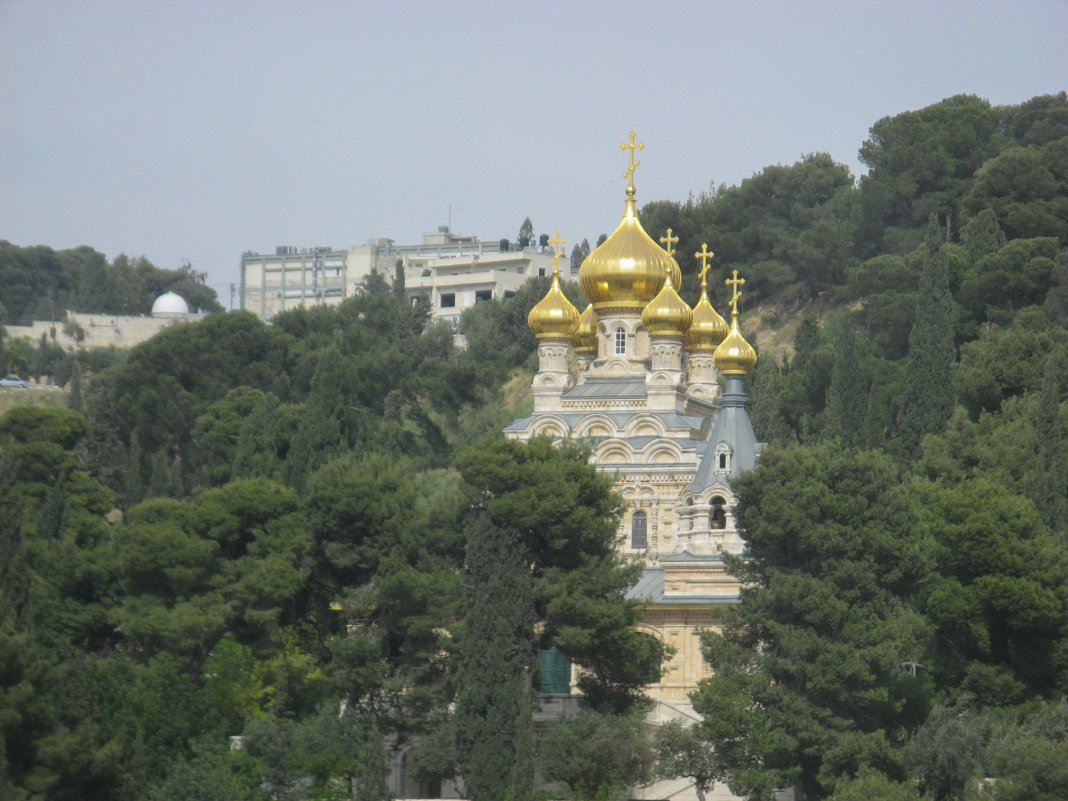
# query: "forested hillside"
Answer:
x=36 y=282
x=293 y=533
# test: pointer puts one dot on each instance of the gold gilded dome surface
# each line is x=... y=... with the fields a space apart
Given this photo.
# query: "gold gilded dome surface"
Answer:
x=627 y=270
x=735 y=356
x=554 y=315
x=667 y=313
x=584 y=337
x=708 y=328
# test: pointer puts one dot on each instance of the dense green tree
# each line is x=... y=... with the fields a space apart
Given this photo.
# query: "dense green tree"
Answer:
x=681 y=752
x=526 y=233
x=847 y=394
x=928 y=394
x=565 y=514
x=807 y=687
x=599 y=756
x=1005 y=362
x=920 y=163
x=320 y=436
x=494 y=703
x=1018 y=275
x=1024 y=187
x=1048 y=487
x=1000 y=604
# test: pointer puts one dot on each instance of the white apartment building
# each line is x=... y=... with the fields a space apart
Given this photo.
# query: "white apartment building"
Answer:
x=452 y=271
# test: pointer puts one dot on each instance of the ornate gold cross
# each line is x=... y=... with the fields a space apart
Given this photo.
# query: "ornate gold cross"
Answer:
x=629 y=174
x=668 y=241
x=704 y=254
x=734 y=283
x=557 y=244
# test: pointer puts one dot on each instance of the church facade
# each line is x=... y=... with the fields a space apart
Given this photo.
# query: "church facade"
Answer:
x=637 y=375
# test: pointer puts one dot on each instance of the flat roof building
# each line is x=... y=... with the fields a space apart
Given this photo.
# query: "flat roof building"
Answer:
x=451 y=271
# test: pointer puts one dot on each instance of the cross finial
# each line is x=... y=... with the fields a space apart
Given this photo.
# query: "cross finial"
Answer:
x=734 y=283
x=558 y=250
x=704 y=254
x=629 y=174
x=668 y=241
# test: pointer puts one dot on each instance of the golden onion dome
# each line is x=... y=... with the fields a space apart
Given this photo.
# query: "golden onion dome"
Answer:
x=627 y=270
x=667 y=314
x=735 y=356
x=553 y=315
x=584 y=337
x=708 y=328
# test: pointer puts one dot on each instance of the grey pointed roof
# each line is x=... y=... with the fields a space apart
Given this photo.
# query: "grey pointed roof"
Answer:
x=734 y=429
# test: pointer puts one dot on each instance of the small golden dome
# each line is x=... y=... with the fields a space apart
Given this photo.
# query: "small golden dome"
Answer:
x=553 y=315
x=735 y=356
x=667 y=314
x=707 y=329
x=584 y=337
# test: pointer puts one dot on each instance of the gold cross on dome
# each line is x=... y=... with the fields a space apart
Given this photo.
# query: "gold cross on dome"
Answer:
x=734 y=283
x=558 y=251
x=704 y=254
x=629 y=174
x=668 y=241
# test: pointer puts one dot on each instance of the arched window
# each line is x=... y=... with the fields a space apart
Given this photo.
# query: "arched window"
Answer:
x=638 y=536
x=723 y=458
x=621 y=341
x=718 y=515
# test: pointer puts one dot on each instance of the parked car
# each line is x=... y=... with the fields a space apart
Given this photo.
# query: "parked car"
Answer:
x=13 y=381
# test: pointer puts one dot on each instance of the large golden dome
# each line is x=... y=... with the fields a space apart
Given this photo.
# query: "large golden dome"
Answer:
x=667 y=314
x=553 y=315
x=584 y=337
x=735 y=356
x=627 y=270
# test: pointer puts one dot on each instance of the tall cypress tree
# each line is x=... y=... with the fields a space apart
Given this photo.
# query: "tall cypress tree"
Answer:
x=927 y=400
x=320 y=437
x=74 y=401
x=1047 y=487
x=847 y=395
x=494 y=710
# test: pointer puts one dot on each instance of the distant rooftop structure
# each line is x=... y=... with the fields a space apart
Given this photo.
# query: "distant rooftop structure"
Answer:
x=170 y=304
x=452 y=271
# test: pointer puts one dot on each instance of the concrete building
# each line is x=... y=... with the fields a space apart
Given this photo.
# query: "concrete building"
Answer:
x=452 y=271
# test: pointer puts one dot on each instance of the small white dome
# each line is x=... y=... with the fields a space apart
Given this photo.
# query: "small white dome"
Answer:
x=170 y=305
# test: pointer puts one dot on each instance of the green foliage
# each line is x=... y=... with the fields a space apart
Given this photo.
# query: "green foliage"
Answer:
x=681 y=751
x=35 y=281
x=597 y=755
x=921 y=163
x=928 y=396
x=807 y=689
x=494 y=703
x=565 y=515
x=1000 y=605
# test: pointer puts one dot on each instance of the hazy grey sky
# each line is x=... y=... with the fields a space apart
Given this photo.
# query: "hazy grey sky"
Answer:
x=197 y=129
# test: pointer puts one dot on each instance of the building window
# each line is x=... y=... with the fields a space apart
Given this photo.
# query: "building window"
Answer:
x=448 y=300
x=723 y=458
x=508 y=293
x=621 y=342
x=541 y=272
x=638 y=533
x=483 y=294
x=718 y=515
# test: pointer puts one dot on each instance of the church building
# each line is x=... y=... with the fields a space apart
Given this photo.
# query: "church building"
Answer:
x=647 y=398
